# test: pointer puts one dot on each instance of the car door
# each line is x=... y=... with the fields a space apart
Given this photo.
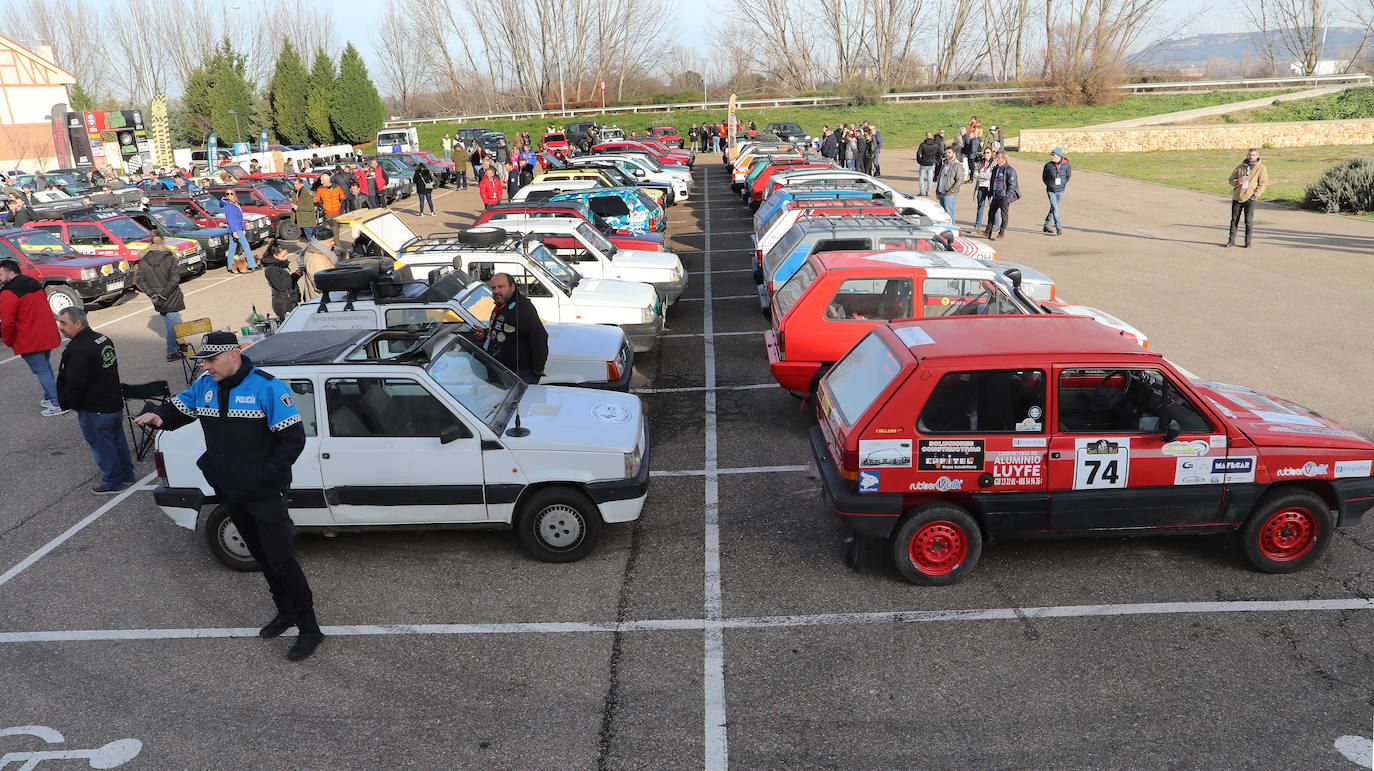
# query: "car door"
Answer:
x=384 y=459
x=306 y=497
x=569 y=248
x=1114 y=462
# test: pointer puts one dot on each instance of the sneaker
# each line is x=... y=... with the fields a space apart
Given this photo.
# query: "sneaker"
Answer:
x=53 y=411
x=103 y=490
x=46 y=402
x=1047 y=230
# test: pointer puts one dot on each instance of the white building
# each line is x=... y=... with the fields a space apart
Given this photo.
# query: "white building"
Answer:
x=30 y=85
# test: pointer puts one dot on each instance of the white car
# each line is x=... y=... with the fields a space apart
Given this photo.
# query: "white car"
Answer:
x=643 y=167
x=557 y=291
x=439 y=435
x=784 y=217
x=590 y=254
x=907 y=203
x=543 y=191
x=585 y=355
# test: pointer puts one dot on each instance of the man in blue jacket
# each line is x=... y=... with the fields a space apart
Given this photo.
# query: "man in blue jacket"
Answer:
x=1056 y=178
x=253 y=433
x=233 y=219
x=1005 y=191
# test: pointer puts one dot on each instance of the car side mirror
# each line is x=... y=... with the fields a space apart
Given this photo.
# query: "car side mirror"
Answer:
x=451 y=434
x=1171 y=433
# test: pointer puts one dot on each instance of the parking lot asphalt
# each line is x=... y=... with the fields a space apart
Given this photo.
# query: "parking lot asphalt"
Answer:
x=723 y=626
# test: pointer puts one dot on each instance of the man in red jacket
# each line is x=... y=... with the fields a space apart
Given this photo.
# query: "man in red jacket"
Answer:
x=378 y=184
x=490 y=188
x=27 y=325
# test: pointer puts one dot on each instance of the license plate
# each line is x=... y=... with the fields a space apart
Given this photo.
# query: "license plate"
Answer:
x=113 y=285
x=193 y=260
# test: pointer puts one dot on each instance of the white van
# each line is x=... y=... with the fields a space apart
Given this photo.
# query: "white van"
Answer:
x=404 y=140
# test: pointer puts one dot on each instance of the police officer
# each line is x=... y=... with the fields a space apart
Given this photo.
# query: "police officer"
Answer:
x=517 y=337
x=253 y=434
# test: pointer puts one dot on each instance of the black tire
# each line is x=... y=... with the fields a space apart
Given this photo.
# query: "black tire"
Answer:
x=346 y=278
x=62 y=296
x=558 y=524
x=482 y=235
x=1288 y=530
x=288 y=231
x=225 y=542
x=758 y=275
x=936 y=544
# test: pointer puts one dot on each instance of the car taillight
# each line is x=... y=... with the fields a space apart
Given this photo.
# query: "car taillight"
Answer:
x=161 y=468
x=1052 y=288
x=653 y=223
x=612 y=371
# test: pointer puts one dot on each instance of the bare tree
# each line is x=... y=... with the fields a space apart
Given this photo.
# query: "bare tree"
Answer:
x=782 y=44
x=1089 y=39
x=955 y=57
x=397 y=57
x=894 y=29
x=1289 y=33
x=139 y=67
x=68 y=28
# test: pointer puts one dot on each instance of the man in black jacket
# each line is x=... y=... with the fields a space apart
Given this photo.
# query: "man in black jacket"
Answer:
x=253 y=434
x=517 y=337
x=927 y=153
x=88 y=382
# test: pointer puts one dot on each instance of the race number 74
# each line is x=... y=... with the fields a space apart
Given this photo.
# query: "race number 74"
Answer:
x=1101 y=465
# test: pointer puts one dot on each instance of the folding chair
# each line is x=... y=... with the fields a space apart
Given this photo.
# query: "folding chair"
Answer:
x=150 y=395
x=184 y=331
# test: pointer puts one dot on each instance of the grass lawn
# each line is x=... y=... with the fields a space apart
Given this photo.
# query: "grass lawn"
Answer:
x=1354 y=103
x=903 y=125
x=1290 y=169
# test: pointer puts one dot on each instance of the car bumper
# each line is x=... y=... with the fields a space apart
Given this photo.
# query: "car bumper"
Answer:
x=180 y=504
x=1355 y=497
x=871 y=514
x=671 y=290
x=794 y=376
x=765 y=304
x=104 y=287
x=622 y=500
x=643 y=336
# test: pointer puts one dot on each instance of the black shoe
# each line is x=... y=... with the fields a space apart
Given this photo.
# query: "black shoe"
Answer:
x=304 y=646
x=174 y=356
x=1229 y=243
x=1059 y=231
x=1247 y=243
x=1047 y=230
x=103 y=490
x=279 y=623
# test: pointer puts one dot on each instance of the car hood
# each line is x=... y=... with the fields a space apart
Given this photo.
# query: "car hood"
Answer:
x=568 y=419
x=254 y=218
x=612 y=292
x=1274 y=421
x=76 y=261
x=585 y=341
x=636 y=258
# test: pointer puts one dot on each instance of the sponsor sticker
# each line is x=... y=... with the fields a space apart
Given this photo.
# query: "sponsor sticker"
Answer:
x=610 y=413
x=1286 y=417
x=943 y=484
x=884 y=453
x=1193 y=448
x=888 y=430
x=1214 y=471
x=914 y=336
x=1217 y=441
x=1027 y=425
x=951 y=455
x=1101 y=463
x=1018 y=469
x=1352 y=468
x=1030 y=441
x=868 y=481
x=1308 y=469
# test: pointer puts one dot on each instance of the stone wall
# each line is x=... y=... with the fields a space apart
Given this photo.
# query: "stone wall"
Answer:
x=1209 y=137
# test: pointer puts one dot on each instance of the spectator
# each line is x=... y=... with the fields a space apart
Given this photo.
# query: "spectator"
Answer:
x=1056 y=178
x=717 y=137
x=851 y=149
x=960 y=144
x=330 y=197
x=424 y=186
x=1005 y=192
x=20 y=211
x=447 y=147
x=528 y=170
x=516 y=337
x=304 y=216
x=253 y=167
x=995 y=139
x=88 y=382
x=476 y=157
x=159 y=277
x=317 y=255
x=501 y=155
x=460 y=168
x=867 y=150
x=1248 y=181
x=939 y=145
x=830 y=145
x=947 y=183
x=489 y=188
x=282 y=280
x=877 y=150
x=27 y=326
x=377 y=184
x=512 y=180
x=360 y=178
x=926 y=155
x=233 y=219
x=982 y=177
x=972 y=141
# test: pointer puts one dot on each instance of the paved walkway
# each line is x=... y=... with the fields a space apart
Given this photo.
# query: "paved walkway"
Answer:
x=1183 y=116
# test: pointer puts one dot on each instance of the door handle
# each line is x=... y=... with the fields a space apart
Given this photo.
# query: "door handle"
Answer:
x=324 y=455
x=1053 y=455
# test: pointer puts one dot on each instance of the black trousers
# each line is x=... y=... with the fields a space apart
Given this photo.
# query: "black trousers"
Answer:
x=998 y=206
x=266 y=531
x=1237 y=207
x=462 y=173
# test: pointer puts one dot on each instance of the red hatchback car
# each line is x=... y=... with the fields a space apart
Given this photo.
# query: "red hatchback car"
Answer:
x=260 y=199
x=658 y=154
x=941 y=434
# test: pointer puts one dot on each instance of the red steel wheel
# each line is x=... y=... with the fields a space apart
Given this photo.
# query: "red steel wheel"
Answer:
x=936 y=544
x=1288 y=530
x=938 y=548
x=1288 y=534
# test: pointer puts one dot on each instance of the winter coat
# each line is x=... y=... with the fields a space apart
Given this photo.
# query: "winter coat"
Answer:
x=1004 y=184
x=233 y=216
x=830 y=146
x=1248 y=182
x=313 y=259
x=424 y=180
x=159 y=277
x=926 y=153
x=378 y=175
x=490 y=189
x=360 y=175
x=330 y=199
x=982 y=173
x=951 y=176
x=517 y=337
x=1056 y=175
x=88 y=377
x=280 y=278
x=26 y=321
x=304 y=215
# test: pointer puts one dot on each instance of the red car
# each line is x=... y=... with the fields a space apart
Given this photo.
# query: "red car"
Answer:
x=70 y=278
x=259 y=199
x=648 y=242
x=940 y=434
x=668 y=136
x=205 y=210
x=663 y=147
x=761 y=185
x=555 y=143
x=111 y=233
x=658 y=154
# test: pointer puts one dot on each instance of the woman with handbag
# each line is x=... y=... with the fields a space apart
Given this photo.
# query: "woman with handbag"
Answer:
x=159 y=277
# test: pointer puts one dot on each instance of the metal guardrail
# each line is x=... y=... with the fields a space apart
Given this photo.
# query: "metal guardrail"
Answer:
x=910 y=96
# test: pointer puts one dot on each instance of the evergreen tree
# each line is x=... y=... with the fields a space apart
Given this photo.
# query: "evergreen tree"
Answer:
x=289 y=92
x=358 y=110
x=78 y=99
x=215 y=87
x=262 y=119
x=320 y=99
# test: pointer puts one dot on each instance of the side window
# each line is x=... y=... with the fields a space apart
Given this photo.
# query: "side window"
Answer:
x=841 y=245
x=418 y=318
x=965 y=297
x=303 y=394
x=529 y=284
x=482 y=271
x=905 y=244
x=609 y=206
x=985 y=402
x=871 y=299
x=377 y=407
x=54 y=229
x=1124 y=401
x=86 y=235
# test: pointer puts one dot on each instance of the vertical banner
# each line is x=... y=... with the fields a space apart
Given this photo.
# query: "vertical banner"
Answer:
x=61 y=140
x=212 y=152
x=730 y=129
x=79 y=140
x=146 y=159
x=262 y=141
x=162 y=133
x=95 y=125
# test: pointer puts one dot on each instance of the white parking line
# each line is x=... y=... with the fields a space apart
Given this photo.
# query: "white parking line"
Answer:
x=1017 y=615
x=727 y=270
x=687 y=389
x=737 y=470
x=71 y=531
x=717 y=251
x=724 y=297
x=719 y=334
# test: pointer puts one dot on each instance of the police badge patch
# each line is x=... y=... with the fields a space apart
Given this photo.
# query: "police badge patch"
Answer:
x=286 y=399
x=209 y=395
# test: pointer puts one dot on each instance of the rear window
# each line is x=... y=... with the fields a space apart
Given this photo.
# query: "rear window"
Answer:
x=777 y=214
x=555 y=138
x=795 y=287
x=860 y=376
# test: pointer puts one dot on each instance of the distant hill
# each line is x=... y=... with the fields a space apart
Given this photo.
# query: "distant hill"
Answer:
x=1198 y=50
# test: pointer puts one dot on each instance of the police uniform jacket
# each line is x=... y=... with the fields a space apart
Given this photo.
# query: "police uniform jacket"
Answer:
x=253 y=432
x=516 y=329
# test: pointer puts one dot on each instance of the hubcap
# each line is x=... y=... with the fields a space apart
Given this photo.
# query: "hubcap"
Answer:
x=559 y=526
x=938 y=548
x=57 y=301
x=232 y=542
x=1288 y=534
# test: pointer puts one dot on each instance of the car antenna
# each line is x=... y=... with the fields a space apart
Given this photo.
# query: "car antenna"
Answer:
x=517 y=430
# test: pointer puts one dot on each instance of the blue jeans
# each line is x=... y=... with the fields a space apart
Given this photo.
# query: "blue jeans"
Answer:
x=980 y=197
x=104 y=432
x=171 y=320
x=426 y=198
x=446 y=156
x=947 y=201
x=40 y=363
x=715 y=143
x=877 y=168
x=376 y=198
x=309 y=233
x=235 y=241
x=926 y=174
x=1053 y=216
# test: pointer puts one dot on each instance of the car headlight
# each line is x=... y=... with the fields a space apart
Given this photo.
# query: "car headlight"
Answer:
x=89 y=273
x=106 y=269
x=123 y=266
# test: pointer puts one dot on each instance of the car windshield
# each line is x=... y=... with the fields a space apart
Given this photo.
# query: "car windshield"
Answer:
x=597 y=241
x=210 y=204
x=555 y=138
x=173 y=219
x=38 y=245
x=791 y=128
x=860 y=376
x=126 y=229
x=795 y=287
x=271 y=194
x=64 y=179
x=475 y=380
x=564 y=276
